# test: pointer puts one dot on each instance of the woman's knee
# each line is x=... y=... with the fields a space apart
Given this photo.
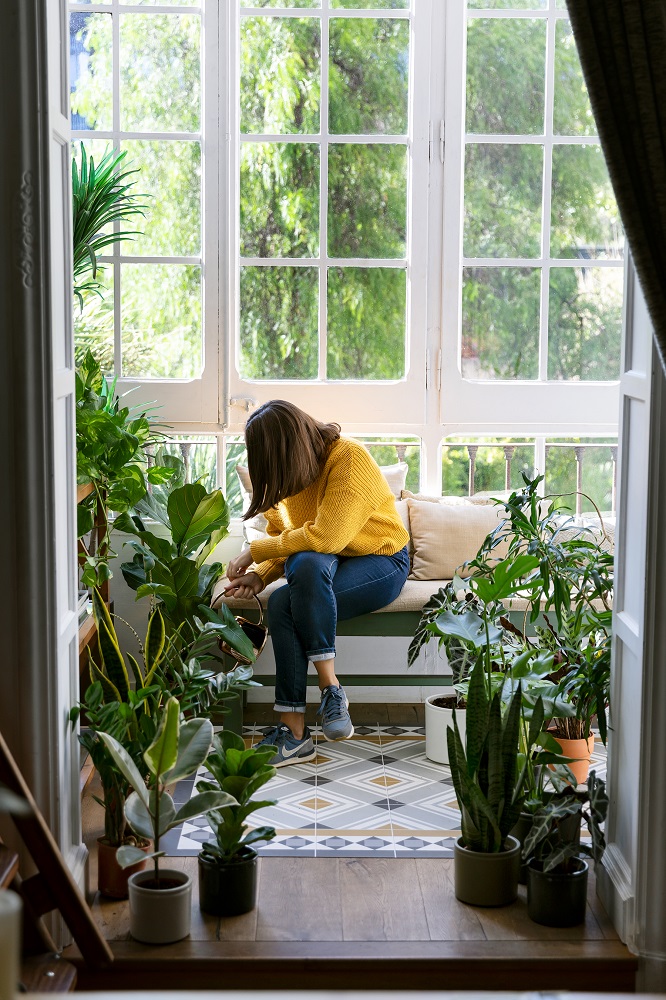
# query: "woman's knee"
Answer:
x=310 y=567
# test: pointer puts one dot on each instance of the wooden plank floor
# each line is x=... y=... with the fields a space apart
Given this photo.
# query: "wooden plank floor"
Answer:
x=361 y=923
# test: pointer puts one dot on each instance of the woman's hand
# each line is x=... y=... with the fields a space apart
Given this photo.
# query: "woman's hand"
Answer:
x=238 y=566
x=247 y=585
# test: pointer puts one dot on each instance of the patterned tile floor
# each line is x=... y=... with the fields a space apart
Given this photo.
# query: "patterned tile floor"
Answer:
x=376 y=794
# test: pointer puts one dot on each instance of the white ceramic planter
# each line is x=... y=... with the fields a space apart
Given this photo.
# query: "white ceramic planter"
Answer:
x=160 y=916
x=437 y=721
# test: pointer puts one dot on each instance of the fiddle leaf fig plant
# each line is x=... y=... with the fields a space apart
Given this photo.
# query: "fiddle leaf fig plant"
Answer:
x=177 y=751
x=174 y=570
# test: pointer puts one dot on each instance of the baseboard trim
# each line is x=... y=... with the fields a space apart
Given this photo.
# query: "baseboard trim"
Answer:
x=614 y=888
x=651 y=975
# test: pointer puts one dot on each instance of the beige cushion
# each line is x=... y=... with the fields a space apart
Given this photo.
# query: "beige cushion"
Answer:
x=489 y=496
x=447 y=535
x=395 y=476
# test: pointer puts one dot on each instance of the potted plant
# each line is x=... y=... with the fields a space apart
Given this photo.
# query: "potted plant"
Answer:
x=228 y=864
x=160 y=901
x=557 y=875
x=128 y=711
x=489 y=793
x=173 y=570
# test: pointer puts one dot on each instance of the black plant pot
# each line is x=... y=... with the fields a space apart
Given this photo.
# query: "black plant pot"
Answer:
x=556 y=899
x=227 y=890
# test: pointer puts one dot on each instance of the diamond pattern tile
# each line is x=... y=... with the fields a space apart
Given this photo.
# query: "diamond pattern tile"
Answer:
x=374 y=795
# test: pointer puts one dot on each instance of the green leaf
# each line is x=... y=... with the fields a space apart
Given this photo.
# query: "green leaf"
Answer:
x=162 y=754
x=127 y=855
x=196 y=737
x=203 y=803
x=194 y=514
x=84 y=520
x=467 y=626
x=125 y=765
x=155 y=642
x=112 y=658
x=139 y=817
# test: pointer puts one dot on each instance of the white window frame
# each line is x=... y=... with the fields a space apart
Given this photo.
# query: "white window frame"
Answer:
x=367 y=403
x=192 y=400
x=508 y=407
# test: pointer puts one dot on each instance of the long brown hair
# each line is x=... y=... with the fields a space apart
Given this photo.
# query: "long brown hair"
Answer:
x=286 y=449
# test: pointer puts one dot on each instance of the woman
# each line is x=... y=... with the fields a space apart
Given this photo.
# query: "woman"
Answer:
x=334 y=532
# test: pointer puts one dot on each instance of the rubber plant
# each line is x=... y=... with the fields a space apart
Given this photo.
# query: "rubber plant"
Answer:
x=177 y=751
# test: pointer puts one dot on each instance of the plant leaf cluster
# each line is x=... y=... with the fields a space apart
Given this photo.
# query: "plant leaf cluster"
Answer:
x=553 y=838
x=241 y=772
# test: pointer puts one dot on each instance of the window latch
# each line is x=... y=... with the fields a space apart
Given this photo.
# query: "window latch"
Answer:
x=247 y=402
x=442 y=138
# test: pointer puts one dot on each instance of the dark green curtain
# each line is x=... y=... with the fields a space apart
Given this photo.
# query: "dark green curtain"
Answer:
x=622 y=49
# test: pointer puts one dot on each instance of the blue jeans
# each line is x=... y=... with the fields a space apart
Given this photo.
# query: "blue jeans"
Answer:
x=322 y=589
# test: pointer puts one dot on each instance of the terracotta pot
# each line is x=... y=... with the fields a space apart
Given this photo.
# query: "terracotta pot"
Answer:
x=437 y=721
x=581 y=751
x=160 y=915
x=111 y=878
x=487 y=879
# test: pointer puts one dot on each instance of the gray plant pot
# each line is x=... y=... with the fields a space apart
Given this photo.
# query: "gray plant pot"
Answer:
x=160 y=916
x=487 y=879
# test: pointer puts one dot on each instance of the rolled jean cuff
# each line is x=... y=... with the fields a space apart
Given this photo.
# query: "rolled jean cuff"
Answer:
x=277 y=707
x=321 y=654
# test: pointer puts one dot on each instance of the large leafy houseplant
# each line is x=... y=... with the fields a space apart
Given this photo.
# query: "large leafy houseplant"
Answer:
x=111 y=443
x=176 y=752
x=173 y=570
x=101 y=196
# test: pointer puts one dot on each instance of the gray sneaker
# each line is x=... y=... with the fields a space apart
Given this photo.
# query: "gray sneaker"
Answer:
x=288 y=750
x=334 y=710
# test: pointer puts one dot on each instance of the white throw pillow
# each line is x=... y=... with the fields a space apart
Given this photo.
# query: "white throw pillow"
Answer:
x=451 y=500
x=447 y=535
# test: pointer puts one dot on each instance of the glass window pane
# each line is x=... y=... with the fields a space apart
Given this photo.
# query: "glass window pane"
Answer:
x=164 y=3
x=367 y=200
x=93 y=323
x=91 y=71
x=597 y=457
x=371 y=4
x=585 y=322
x=280 y=3
x=585 y=221
x=572 y=111
x=507 y=4
x=500 y=327
x=161 y=320
x=366 y=323
x=506 y=66
x=279 y=310
x=234 y=454
x=170 y=186
x=279 y=90
x=502 y=200
x=368 y=76
x=198 y=455
x=494 y=458
x=160 y=88
x=279 y=199
x=389 y=450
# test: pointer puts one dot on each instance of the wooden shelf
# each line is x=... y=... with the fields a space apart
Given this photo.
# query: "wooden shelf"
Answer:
x=83 y=490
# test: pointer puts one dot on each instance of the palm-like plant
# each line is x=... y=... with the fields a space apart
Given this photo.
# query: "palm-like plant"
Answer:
x=101 y=196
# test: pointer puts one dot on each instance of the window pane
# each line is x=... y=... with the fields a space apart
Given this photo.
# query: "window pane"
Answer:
x=371 y=4
x=585 y=322
x=160 y=72
x=279 y=90
x=90 y=71
x=367 y=200
x=505 y=76
x=279 y=309
x=500 y=322
x=598 y=472
x=368 y=76
x=502 y=200
x=389 y=450
x=366 y=323
x=280 y=3
x=234 y=454
x=93 y=324
x=164 y=3
x=279 y=200
x=492 y=459
x=585 y=221
x=506 y=4
x=172 y=225
x=161 y=318
x=572 y=111
x=198 y=455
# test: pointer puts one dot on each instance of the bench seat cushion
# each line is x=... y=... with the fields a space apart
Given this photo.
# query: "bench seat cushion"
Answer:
x=413 y=596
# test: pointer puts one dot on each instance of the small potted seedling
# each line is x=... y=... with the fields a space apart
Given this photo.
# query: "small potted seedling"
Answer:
x=228 y=864
x=160 y=901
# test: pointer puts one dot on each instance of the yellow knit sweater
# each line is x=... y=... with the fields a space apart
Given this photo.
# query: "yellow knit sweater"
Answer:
x=348 y=510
